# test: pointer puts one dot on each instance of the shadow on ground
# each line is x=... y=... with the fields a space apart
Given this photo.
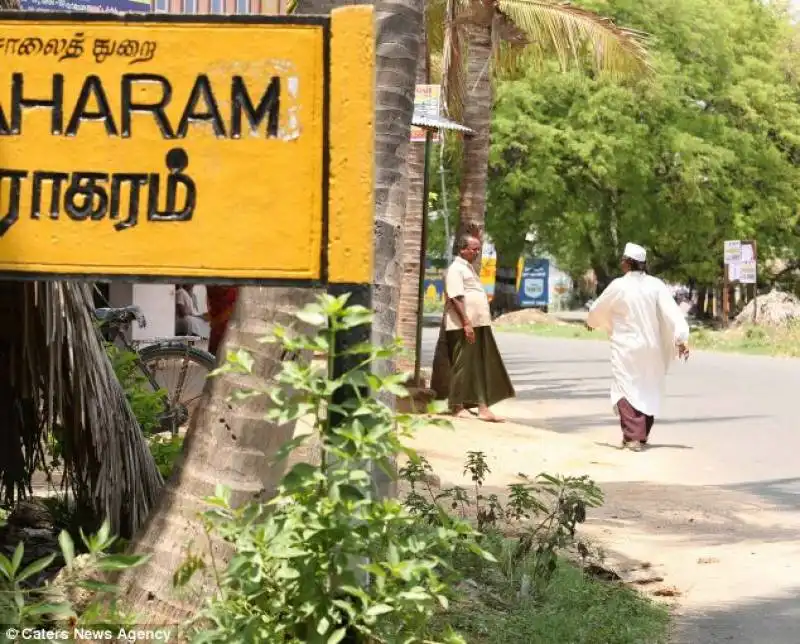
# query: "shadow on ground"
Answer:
x=705 y=515
x=764 y=621
x=681 y=513
x=584 y=422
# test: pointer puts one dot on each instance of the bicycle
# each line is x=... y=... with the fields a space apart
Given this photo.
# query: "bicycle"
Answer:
x=114 y=324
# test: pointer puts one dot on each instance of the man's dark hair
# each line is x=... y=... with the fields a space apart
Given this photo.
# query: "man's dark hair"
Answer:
x=463 y=240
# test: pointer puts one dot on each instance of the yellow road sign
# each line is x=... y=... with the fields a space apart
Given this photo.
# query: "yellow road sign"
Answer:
x=169 y=147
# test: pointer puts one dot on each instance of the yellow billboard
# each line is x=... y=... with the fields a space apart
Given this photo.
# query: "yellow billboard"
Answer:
x=161 y=147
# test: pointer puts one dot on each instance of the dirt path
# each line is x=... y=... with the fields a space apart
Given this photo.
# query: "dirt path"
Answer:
x=731 y=557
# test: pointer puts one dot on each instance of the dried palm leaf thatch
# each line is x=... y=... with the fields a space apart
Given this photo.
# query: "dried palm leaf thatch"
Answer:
x=61 y=381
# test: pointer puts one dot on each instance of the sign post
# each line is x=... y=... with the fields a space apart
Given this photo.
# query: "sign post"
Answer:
x=213 y=149
x=534 y=286
x=740 y=265
x=427 y=104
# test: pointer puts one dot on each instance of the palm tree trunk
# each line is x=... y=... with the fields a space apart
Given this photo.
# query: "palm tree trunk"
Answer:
x=475 y=168
x=233 y=445
x=477 y=116
x=398 y=27
x=412 y=233
x=398 y=24
x=228 y=444
x=505 y=291
x=397 y=33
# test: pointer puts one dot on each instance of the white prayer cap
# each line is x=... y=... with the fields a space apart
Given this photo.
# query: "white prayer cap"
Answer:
x=635 y=252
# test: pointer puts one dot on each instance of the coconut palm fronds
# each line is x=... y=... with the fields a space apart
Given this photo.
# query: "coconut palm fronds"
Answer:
x=567 y=32
x=62 y=382
x=21 y=437
x=454 y=40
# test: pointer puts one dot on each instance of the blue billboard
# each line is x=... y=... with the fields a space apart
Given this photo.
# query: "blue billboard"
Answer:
x=534 y=283
x=87 y=6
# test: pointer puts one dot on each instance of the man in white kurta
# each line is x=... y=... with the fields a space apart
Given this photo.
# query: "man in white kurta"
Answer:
x=647 y=329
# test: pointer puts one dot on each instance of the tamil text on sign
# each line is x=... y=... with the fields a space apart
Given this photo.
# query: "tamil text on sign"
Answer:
x=165 y=148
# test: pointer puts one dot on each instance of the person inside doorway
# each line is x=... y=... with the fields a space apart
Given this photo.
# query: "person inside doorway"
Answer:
x=188 y=319
x=478 y=376
x=647 y=329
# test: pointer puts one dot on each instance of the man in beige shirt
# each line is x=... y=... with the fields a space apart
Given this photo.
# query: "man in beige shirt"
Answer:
x=478 y=377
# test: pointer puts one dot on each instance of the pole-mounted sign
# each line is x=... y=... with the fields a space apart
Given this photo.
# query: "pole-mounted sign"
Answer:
x=202 y=148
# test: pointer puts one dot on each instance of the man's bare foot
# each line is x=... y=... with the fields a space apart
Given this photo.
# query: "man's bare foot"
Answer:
x=460 y=412
x=489 y=417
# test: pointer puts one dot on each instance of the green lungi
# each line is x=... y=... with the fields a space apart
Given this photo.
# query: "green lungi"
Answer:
x=477 y=373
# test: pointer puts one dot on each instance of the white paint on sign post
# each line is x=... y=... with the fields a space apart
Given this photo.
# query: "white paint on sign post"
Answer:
x=733 y=251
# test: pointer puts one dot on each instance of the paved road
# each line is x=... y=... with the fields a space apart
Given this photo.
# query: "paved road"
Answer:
x=717 y=498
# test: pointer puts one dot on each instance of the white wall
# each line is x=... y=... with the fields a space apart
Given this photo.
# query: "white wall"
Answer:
x=157 y=302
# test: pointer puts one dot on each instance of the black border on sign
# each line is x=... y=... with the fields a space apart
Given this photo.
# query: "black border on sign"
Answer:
x=164 y=18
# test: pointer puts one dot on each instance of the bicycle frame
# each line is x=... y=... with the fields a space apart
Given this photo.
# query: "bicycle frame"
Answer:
x=115 y=331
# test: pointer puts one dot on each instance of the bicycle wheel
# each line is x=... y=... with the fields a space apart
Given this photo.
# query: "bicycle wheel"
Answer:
x=181 y=371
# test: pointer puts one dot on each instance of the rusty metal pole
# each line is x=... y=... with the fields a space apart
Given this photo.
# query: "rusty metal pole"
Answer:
x=725 y=299
x=423 y=253
x=755 y=285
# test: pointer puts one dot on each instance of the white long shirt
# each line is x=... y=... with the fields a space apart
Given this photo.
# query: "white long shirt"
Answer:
x=645 y=325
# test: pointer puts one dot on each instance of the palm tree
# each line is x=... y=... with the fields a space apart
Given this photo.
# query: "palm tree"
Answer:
x=398 y=24
x=408 y=310
x=501 y=34
x=231 y=445
x=484 y=39
x=56 y=380
x=228 y=444
x=480 y=40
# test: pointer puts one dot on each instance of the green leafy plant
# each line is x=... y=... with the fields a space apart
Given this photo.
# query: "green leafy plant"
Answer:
x=544 y=513
x=165 y=451
x=147 y=405
x=326 y=560
x=27 y=601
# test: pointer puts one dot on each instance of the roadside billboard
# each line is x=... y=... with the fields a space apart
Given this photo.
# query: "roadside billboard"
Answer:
x=534 y=287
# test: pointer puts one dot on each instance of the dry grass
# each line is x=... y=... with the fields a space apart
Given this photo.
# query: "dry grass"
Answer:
x=782 y=341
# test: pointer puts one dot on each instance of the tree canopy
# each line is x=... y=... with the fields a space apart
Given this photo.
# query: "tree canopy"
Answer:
x=704 y=151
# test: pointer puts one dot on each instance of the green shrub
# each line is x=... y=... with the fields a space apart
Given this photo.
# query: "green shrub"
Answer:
x=147 y=405
x=544 y=512
x=326 y=561
x=165 y=451
x=27 y=602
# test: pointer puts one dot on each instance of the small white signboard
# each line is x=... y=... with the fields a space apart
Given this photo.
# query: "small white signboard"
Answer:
x=747 y=273
x=733 y=251
x=427 y=101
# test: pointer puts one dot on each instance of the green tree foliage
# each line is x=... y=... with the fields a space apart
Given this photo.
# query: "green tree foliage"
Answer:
x=705 y=151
